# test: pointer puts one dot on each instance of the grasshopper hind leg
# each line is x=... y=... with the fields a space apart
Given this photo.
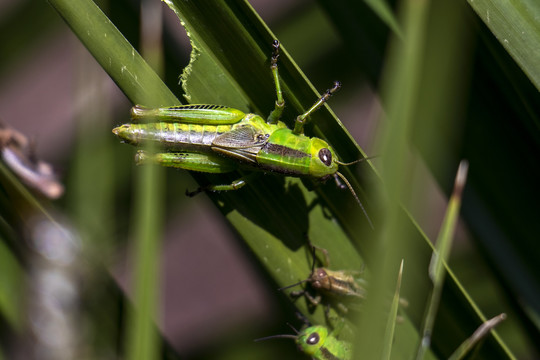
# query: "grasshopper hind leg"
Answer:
x=206 y=163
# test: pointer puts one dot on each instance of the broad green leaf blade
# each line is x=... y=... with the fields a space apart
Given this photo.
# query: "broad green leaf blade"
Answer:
x=515 y=24
x=206 y=73
x=280 y=212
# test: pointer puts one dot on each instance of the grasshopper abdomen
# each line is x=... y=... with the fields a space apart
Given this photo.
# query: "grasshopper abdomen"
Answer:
x=172 y=136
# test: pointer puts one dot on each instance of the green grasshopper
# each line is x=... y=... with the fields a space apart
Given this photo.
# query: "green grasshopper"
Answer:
x=319 y=343
x=220 y=139
x=339 y=285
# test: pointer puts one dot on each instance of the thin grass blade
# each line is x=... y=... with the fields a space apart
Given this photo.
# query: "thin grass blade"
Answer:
x=142 y=334
x=392 y=318
x=437 y=271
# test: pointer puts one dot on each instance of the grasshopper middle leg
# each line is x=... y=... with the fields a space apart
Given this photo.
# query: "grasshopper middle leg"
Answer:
x=280 y=102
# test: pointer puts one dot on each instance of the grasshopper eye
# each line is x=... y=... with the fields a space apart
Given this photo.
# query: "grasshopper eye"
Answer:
x=326 y=156
x=313 y=339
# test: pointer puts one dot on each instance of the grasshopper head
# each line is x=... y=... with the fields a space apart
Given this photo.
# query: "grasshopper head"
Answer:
x=308 y=340
x=319 y=279
x=311 y=339
x=323 y=164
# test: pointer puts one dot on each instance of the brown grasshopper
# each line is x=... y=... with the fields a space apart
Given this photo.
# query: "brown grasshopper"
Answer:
x=337 y=285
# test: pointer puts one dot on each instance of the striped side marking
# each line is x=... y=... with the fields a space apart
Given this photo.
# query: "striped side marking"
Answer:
x=327 y=355
x=285 y=151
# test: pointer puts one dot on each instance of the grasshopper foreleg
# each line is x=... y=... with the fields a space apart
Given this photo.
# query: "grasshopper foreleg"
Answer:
x=301 y=120
x=314 y=300
x=326 y=262
x=235 y=185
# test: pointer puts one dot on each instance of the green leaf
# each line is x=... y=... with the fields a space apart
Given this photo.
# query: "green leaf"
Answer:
x=273 y=226
x=515 y=25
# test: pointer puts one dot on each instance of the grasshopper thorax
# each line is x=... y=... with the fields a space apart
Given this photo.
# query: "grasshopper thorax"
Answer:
x=319 y=279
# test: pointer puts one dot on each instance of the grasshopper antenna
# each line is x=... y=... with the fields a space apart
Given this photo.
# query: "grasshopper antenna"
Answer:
x=342 y=177
x=293 y=285
x=293 y=329
x=284 y=336
x=303 y=281
x=294 y=337
x=355 y=161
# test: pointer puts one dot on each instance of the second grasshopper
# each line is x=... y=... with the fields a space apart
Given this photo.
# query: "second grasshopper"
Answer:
x=342 y=287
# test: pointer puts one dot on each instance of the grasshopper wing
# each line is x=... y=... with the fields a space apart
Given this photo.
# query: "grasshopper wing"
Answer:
x=188 y=114
x=242 y=143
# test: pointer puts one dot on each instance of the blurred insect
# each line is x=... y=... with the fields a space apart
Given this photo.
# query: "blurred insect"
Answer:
x=319 y=343
x=220 y=139
x=19 y=154
x=338 y=285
